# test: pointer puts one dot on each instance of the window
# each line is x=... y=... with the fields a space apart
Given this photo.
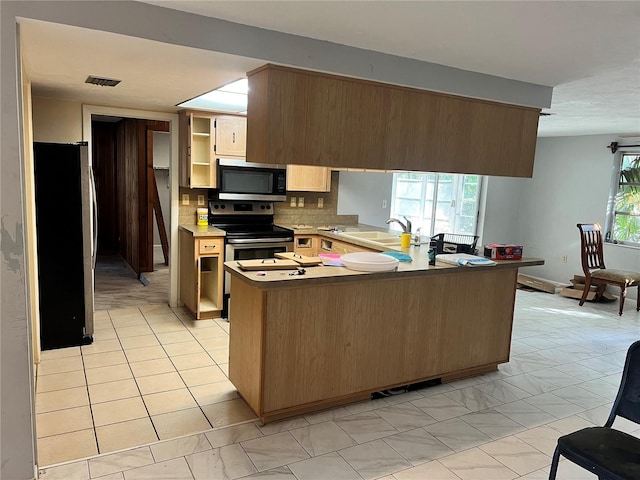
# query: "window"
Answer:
x=623 y=212
x=437 y=202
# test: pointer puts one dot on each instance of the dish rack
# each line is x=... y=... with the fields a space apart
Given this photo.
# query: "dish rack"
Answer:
x=454 y=243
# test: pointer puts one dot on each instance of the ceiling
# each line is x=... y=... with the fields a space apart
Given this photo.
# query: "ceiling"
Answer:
x=588 y=51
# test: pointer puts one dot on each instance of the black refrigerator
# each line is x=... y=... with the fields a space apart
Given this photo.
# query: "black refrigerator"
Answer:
x=66 y=241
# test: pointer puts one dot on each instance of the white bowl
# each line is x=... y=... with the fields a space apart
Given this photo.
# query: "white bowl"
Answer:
x=369 y=262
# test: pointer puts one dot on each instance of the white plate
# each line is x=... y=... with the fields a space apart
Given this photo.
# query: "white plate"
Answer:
x=369 y=262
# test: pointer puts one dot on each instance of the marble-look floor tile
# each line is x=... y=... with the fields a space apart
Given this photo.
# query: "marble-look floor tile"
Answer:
x=119 y=462
x=234 y=434
x=517 y=455
x=365 y=427
x=441 y=407
x=543 y=438
x=325 y=467
x=279 y=473
x=417 y=446
x=374 y=459
x=474 y=464
x=405 y=416
x=580 y=396
x=554 y=405
x=224 y=463
x=326 y=415
x=431 y=470
x=542 y=381
x=473 y=398
x=176 y=469
x=570 y=424
x=525 y=414
x=503 y=391
x=180 y=447
x=274 y=451
x=282 y=425
x=457 y=434
x=75 y=470
x=492 y=423
x=322 y=438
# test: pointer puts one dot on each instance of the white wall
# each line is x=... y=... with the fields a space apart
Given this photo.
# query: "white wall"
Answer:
x=362 y=193
x=56 y=120
x=570 y=185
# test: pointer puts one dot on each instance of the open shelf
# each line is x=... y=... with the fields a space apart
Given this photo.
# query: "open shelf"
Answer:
x=208 y=305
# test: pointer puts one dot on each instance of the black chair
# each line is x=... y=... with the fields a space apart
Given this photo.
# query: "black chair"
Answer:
x=608 y=453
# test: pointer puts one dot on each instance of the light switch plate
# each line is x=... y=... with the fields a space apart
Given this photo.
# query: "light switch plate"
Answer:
x=301 y=201
x=200 y=200
x=185 y=199
x=292 y=201
x=321 y=203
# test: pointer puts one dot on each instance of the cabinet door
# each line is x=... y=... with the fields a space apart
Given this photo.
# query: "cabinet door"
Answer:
x=231 y=136
x=200 y=156
x=308 y=179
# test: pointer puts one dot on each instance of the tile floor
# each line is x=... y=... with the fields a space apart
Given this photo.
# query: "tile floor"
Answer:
x=563 y=375
x=152 y=373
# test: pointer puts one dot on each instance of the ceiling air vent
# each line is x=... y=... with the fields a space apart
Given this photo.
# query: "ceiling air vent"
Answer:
x=102 y=82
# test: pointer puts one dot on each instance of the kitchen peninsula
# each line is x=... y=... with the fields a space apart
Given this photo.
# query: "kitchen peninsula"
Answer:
x=301 y=343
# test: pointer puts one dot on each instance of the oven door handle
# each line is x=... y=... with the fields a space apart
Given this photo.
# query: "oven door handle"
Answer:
x=236 y=241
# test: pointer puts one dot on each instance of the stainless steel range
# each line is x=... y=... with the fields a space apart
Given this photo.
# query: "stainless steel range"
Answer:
x=250 y=234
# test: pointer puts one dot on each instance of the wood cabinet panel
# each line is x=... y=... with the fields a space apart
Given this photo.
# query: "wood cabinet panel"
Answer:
x=308 y=179
x=231 y=136
x=341 y=340
x=302 y=117
x=201 y=273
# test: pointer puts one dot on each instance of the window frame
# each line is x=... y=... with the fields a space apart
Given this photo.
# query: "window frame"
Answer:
x=457 y=197
x=614 y=189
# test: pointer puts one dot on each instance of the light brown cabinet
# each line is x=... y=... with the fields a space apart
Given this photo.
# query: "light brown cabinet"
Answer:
x=231 y=136
x=308 y=179
x=205 y=137
x=299 y=116
x=201 y=271
x=306 y=245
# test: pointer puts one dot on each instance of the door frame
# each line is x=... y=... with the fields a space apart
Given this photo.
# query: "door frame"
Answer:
x=172 y=118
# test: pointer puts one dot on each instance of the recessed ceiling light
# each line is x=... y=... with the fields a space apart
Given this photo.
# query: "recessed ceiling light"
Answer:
x=231 y=98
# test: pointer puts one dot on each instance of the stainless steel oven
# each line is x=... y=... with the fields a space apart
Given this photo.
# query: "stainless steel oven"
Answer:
x=250 y=234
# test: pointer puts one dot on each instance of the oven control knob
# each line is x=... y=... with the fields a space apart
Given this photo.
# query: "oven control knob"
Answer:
x=223 y=206
x=268 y=207
x=262 y=207
x=216 y=206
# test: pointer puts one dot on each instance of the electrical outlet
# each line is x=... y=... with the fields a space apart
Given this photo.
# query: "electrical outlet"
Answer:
x=292 y=201
x=185 y=199
x=384 y=204
x=200 y=200
x=301 y=201
x=321 y=203
x=564 y=259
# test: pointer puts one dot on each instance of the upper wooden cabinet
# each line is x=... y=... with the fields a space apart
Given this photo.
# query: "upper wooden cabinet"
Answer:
x=308 y=179
x=302 y=117
x=231 y=136
x=204 y=137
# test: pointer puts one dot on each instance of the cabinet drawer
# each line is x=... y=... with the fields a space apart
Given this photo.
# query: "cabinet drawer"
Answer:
x=209 y=246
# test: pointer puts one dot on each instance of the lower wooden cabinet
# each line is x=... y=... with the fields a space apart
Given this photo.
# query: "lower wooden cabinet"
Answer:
x=201 y=274
x=306 y=245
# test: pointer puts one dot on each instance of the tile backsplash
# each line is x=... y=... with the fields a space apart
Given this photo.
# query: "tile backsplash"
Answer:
x=285 y=214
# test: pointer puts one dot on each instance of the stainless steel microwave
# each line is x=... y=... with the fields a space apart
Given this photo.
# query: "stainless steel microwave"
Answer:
x=240 y=180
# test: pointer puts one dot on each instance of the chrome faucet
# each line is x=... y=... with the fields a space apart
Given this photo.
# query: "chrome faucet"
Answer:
x=406 y=228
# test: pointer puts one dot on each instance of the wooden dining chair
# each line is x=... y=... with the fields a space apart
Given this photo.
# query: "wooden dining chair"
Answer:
x=604 y=451
x=595 y=271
